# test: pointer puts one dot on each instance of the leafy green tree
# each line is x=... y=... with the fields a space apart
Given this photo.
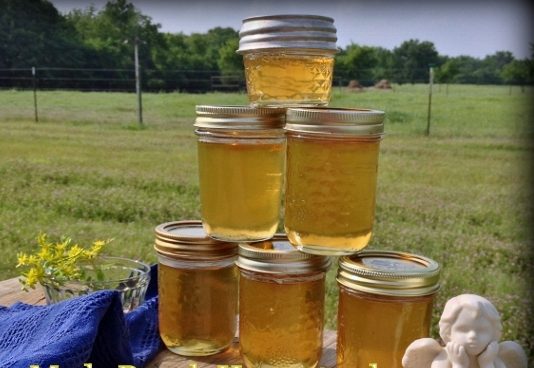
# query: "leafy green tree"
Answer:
x=356 y=62
x=383 y=69
x=448 y=71
x=412 y=60
x=112 y=32
x=465 y=68
x=33 y=33
x=491 y=67
x=516 y=72
x=230 y=62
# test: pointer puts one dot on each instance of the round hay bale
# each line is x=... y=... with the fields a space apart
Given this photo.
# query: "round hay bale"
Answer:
x=354 y=85
x=383 y=84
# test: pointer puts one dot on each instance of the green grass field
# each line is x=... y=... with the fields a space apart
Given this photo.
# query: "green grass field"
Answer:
x=461 y=196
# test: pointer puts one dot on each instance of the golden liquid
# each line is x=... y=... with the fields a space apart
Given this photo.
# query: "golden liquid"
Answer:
x=240 y=188
x=197 y=309
x=281 y=324
x=378 y=330
x=330 y=194
x=288 y=79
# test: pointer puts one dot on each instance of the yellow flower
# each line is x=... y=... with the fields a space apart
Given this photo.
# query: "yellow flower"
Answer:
x=75 y=251
x=56 y=263
x=22 y=259
x=33 y=277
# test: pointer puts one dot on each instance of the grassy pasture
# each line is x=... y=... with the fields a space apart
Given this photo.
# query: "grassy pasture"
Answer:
x=461 y=196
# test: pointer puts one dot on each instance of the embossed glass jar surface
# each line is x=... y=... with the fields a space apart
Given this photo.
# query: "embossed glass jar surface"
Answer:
x=197 y=285
x=241 y=157
x=289 y=59
x=331 y=174
x=385 y=303
x=281 y=299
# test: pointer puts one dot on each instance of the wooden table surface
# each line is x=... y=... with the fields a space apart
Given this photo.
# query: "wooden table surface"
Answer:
x=10 y=293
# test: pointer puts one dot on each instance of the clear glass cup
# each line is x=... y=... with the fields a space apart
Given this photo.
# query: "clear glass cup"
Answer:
x=129 y=277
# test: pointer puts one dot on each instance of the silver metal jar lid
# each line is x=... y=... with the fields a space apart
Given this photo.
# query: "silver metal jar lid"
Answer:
x=356 y=122
x=239 y=117
x=188 y=240
x=389 y=273
x=278 y=256
x=305 y=32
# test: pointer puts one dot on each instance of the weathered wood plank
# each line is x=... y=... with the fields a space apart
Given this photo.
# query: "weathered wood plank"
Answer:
x=11 y=292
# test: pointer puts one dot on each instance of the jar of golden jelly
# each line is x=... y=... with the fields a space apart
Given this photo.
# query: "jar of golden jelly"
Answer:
x=385 y=303
x=289 y=59
x=281 y=304
x=241 y=157
x=332 y=161
x=197 y=285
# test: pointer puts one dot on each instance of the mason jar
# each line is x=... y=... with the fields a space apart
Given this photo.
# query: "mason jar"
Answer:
x=331 y=178
x=385 y=303
x=197 y=287
x=281 y=304
x=241 y=157
x=289 y=59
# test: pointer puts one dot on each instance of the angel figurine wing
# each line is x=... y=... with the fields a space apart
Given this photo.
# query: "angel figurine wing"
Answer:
x=421 y=353
x=512 y=355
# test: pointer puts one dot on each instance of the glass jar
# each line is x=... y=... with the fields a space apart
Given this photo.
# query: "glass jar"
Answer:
x=241 y=158
x=289 y=59
x=197 y=285
x=281 y=304
x=385 y=303
x=331 y=175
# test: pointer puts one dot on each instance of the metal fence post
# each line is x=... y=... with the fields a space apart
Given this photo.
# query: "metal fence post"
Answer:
x=138 y=82
x=34 y=82
x=430 y=82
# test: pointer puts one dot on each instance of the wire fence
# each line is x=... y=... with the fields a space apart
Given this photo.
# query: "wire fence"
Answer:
x=181 y=80
x=49 y=78
x=156 y=80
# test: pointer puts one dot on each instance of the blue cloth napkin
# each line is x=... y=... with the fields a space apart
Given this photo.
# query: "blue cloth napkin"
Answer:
x=87 y=329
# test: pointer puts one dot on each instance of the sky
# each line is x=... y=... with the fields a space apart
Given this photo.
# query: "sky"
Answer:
x=456 y=27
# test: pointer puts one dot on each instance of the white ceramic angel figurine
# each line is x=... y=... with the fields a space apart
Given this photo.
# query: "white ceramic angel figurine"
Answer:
x=470 y=327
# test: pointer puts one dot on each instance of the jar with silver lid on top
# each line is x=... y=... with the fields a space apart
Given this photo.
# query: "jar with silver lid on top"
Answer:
x=281 y=304
x=197 y=286
x=331 y=178
x=385 y=303
x=241 y=157
x=289 y=59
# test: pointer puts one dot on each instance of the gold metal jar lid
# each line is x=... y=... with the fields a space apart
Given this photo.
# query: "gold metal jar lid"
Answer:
x=303 y=32
x=188 y=240
x=327 y=120
x=278 y=256
x=389 y=273
x=239 y=117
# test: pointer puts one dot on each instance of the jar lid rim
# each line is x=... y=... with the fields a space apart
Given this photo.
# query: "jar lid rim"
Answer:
x=243 y=117
x=188 y=239
x=349 y=121
x=388 y=272
x=298 y=31
x=277 y=255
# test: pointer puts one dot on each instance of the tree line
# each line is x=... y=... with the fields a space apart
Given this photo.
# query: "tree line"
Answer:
x=97 y=46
